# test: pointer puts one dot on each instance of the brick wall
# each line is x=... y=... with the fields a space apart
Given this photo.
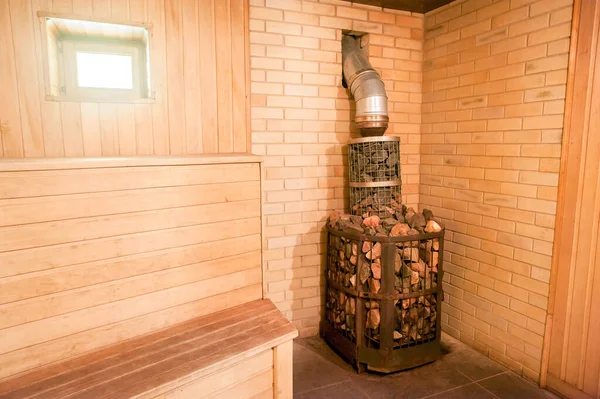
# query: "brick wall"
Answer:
x=301 y=122
x=494 y=78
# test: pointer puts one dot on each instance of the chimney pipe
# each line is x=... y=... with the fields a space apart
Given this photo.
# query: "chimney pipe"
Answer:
x=366 y=86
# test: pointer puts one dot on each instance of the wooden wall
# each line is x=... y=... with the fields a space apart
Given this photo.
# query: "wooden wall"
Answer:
x=248 y=379
x=91 y=255
x=572 y=355
x=198 y=70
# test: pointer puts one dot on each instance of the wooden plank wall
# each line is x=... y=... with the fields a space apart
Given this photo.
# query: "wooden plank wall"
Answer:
x=198 y=71
x=91 y=256
x=572 y=353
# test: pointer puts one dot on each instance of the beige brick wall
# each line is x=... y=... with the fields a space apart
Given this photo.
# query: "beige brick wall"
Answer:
x=301 y=122
x=478 y=103
x=494 y=76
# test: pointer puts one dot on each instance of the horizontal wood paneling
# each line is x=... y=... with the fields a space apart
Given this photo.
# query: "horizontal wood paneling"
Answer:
x=25 y=210
x=249 y=388
x=238 y=373
x=73 y=182
x=199 y=82
x=92 y=256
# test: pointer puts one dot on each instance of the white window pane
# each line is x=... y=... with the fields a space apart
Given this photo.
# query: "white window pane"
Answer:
x=106 y=71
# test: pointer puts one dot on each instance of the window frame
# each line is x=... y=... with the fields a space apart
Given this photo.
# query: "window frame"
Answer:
x=71 y=46
x=145 y=55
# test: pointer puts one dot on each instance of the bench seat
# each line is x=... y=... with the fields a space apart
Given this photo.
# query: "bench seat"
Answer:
x=239 y=352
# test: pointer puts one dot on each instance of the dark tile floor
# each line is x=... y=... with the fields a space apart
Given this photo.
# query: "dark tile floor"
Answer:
x=461 y=373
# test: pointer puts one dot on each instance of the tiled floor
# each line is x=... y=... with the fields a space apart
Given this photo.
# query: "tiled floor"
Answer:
x=460 y=373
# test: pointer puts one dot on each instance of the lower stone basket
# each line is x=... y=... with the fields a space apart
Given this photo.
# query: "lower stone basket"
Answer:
x=383 y=299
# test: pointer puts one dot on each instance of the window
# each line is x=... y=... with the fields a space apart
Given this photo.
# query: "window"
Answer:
x=97 y=61
x=104 y=71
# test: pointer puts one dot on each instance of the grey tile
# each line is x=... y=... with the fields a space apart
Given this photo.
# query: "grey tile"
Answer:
x=438 y=379
x=416 y=383
x=319 y=347
x=509 y=386
x=302 y=354
x=398 y=386
x=310 y=375
x=473 y=364
x=319 y=372
x=344 y=390
x=452 y=345
x=471 y=391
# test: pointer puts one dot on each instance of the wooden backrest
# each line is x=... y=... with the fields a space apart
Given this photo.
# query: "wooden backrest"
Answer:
x=91 y=255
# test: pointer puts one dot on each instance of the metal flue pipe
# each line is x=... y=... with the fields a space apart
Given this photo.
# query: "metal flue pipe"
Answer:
x=367 y=88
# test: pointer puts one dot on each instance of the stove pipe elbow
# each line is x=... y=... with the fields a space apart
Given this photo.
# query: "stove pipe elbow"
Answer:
x=367 y=88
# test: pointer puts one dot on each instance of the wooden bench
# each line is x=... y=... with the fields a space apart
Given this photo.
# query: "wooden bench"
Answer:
x=237 y=352
x=137 y=277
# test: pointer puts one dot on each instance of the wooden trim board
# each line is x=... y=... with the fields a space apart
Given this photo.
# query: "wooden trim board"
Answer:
x=571 y=351
x=283 y=367
x=18 y=164
x=47 y=14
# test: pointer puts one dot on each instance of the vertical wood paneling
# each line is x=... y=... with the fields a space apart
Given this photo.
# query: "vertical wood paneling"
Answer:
x=137 y=10
x=101 y=8
x=71 y=123
x=176 y=99
x=199 y=82
x=108 y=129
x=191 y=74
x=224 y=77
x=120 y=9
x=238 y=55
x=10 y=113
x=573 y=354
x=1 y=145
x=158 y=73
x=206 y=17
x=50 y=111
x=143 y=129
x=62 y=6
x=83 y=7
x=27 y=83
x=126 y=127
x=53 y=131
x=90 y=126
x=592 y=368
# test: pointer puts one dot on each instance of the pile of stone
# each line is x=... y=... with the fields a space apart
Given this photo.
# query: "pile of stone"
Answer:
x=384 y=202
x=374 y=161
x=341 y=312
x=403 y=222
x=374 y=177
x=357 y=264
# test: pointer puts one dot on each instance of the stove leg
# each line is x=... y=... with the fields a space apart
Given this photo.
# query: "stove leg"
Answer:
x=360 y=367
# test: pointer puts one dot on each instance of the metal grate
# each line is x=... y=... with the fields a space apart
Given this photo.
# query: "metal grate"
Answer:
x=395 y=285
x=416 y=270
x=374 y=161
x=374 y=171
x=372 y=325
x=340 y=306
x=415 y=321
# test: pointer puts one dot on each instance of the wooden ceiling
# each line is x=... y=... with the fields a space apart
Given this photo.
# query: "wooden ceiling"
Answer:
x=420 y=6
